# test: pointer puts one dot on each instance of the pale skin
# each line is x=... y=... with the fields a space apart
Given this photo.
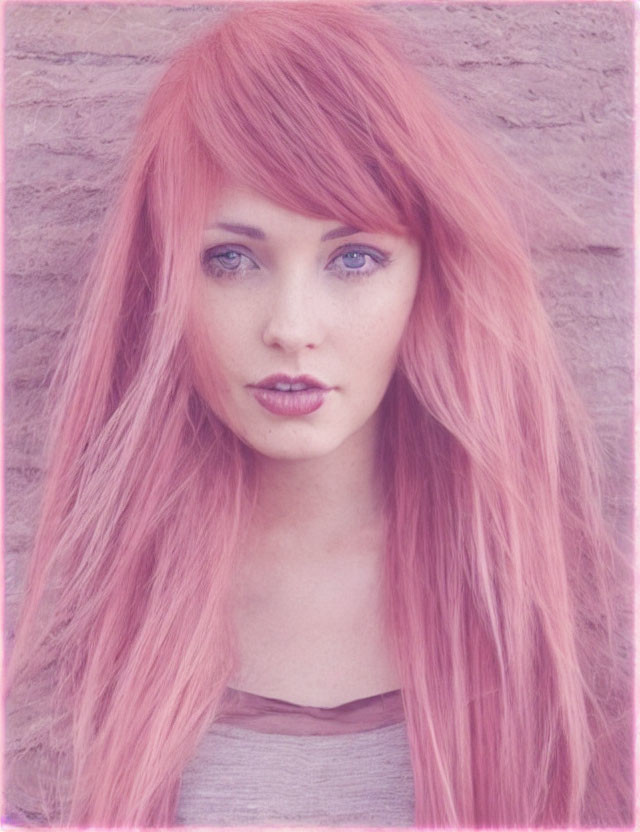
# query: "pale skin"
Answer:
x=285 y=293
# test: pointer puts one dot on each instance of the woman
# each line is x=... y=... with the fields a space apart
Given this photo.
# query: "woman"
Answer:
x=312 y=446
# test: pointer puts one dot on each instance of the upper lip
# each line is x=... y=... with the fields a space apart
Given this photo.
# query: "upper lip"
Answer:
x=270 y=382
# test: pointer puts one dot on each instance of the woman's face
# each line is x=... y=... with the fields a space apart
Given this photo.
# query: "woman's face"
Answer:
x=303 y=319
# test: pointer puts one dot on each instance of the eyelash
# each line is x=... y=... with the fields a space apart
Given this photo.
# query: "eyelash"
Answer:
x=212 y=260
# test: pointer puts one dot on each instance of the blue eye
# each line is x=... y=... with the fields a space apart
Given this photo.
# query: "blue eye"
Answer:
x=230 y=259
x=354 y=259
x=223 y=261
x=357 y=261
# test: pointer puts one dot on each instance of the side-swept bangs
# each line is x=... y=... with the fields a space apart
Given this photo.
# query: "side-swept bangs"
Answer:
x=309 y=110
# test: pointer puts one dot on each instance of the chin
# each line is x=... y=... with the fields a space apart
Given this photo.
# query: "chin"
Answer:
x=293 y=447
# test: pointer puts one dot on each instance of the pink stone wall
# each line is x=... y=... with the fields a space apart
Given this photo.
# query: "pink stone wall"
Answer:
x=550 y=84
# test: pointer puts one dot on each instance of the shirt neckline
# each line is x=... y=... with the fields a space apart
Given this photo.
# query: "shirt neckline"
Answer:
x=277 y=716
x=351 y=704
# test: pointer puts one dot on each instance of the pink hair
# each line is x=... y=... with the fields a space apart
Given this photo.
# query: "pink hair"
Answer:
x=498 y=560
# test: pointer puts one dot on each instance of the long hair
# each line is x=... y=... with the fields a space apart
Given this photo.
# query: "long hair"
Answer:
x=498 y=560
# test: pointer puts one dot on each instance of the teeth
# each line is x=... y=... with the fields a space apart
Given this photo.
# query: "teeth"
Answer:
x=285 y=387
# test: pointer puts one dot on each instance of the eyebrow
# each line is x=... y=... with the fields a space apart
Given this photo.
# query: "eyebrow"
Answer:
x=258 y=233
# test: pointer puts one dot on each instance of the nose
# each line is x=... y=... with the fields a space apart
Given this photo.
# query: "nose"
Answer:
x=293 y=320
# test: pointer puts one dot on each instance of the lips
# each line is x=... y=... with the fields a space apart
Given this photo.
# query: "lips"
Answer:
x=285 y=395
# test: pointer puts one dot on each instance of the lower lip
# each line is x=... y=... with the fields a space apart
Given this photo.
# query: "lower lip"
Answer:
x=293 y=403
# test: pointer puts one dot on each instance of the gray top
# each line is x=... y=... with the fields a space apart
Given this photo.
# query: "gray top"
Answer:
x=243 y=777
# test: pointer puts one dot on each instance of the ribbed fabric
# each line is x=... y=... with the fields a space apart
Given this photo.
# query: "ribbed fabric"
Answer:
x=276 y=716
x=345 y=766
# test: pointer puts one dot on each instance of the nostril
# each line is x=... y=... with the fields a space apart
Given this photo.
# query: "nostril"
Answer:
x=292 y=336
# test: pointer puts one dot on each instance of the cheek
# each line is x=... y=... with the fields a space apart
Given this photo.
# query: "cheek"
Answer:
x=383 y=328
x=215 y=343
x=220 y=335
x=228 y=335
x=375 y=342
